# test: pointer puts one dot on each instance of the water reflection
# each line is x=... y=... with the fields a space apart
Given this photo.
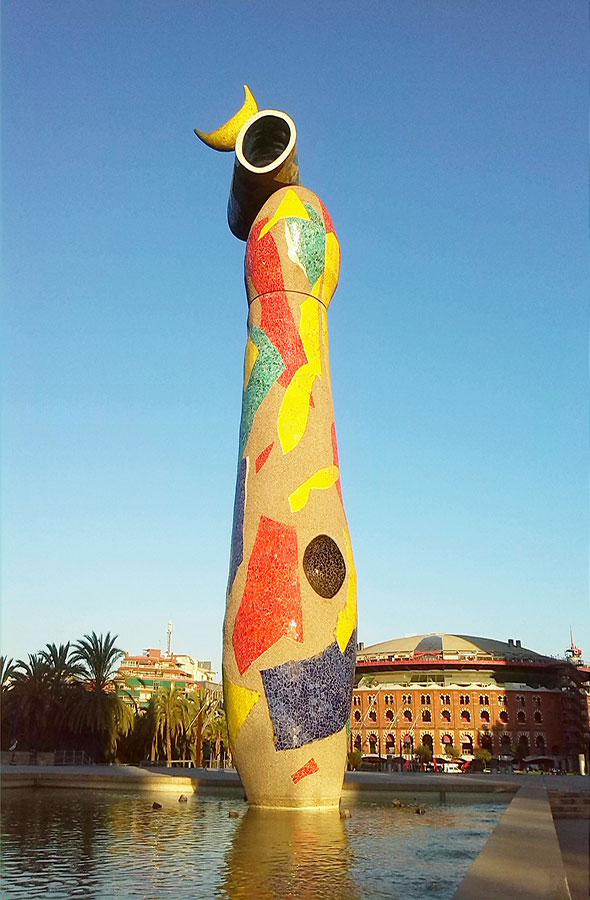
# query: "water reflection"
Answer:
x=62 y=844
x=288 y=854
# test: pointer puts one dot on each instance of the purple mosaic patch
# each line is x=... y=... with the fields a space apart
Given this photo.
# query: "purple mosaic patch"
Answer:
x=237 y=536
x=310 y=699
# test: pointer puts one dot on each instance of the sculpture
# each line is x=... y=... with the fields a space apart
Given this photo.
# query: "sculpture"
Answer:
x=290 y=625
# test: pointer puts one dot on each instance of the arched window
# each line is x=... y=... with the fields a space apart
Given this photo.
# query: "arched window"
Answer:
x=445 y=715
x=408 y=715
x=390 y=743
x=503 y=716
x=485 y=741
x=357 y=715
x=373 y=743
x=426 y=715
x=373 y=715
x=425 y=699
x=358 y=743
x=484 y=700
x=524 y=742
x=538 y=716
x=467 y=744
x=484 y=715
x=521 y=715
x=445 y=698
x=356 y=700
x=537 y=701
x=389 y=714
x=427 y=741
x=465 y=715
x=540 y=743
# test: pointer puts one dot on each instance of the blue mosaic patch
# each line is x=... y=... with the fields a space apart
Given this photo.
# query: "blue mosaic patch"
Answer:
x=237 y=536
x=311 y=698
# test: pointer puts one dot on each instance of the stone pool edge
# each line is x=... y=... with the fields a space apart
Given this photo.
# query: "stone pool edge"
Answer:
x=521 y=858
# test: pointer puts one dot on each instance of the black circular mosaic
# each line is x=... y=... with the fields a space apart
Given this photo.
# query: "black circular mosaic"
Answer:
x=324 y=566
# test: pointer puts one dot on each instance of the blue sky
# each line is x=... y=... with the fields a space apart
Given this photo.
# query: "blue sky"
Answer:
x=449 y=141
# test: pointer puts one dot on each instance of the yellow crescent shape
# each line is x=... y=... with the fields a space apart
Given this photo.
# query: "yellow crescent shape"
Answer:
x=224 y=137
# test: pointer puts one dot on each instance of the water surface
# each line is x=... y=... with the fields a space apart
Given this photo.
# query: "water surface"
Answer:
x=101 y=845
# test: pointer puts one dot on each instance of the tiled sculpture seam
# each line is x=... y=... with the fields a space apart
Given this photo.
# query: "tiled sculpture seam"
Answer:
x=290 y=625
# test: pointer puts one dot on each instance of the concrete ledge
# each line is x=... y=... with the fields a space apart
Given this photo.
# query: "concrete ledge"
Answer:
x=522 y=857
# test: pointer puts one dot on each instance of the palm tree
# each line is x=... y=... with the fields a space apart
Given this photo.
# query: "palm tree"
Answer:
x=198 y=709
x=216 y=731
x=168 y=716
x=7 y=670
x=31 y=699
x=98 y=711
x=61 y=665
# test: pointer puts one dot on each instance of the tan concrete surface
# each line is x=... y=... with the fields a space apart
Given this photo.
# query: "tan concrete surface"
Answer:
x=522 y=858
x=574 y=841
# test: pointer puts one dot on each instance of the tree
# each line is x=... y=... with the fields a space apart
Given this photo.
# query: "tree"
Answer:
x=482 y=753
x=198 y=709
x=8 y=669
x=31 y=700
x=424 y=753
x=168 y=717
x=97 y=710
x=216 y=730
x=452 y=751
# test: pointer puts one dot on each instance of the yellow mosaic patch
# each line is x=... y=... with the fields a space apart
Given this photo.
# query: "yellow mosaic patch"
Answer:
x=322 y=479
x=290 y=205
x=294 y=411
x=250 y=359
x=239 y=702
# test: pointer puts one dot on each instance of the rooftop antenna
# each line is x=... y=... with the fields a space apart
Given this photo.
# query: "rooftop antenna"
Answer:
x=169 y=631
x=573 y=653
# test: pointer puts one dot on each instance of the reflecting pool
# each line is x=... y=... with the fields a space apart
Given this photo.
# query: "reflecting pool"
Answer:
x=59 y=844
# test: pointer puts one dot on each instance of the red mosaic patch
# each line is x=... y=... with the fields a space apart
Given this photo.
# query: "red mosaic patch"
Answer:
x=327 y=219
x=278 y=323
x=309 y=768
x=262 y=457
x=336 y=460
x=263 y=261
x=271 y=605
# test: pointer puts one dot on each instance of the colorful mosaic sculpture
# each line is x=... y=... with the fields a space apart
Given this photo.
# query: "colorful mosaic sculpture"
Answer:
x=290 y=624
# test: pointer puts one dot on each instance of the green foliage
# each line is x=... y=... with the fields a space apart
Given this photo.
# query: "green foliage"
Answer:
x=452 y=751
x=424 y=753
x=482 y=753
x=354 y=759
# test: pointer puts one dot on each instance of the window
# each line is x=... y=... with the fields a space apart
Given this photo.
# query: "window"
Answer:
x=389 y=714
x=357 y=715
x=356 y=700
x=446 y=715
x=520 y=699
x=408 y=715
x=425 y=699
x=372 y=699
x=373 y=715
x=407 y=699
x=445 y=698
x=484 y=700
x=426 y=715
x=538 y=716
x=484 y=715
x=389 y=700
x=465 y=715
x=464 y=699
x=501 y=699
x=521 y=716
x=537 y=701
x=503 y=716
x=540 y=743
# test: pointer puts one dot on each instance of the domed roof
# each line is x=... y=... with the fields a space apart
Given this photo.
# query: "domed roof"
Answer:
x=450 y=646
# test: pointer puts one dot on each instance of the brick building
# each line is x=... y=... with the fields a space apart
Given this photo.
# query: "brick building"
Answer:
x=469 y=692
